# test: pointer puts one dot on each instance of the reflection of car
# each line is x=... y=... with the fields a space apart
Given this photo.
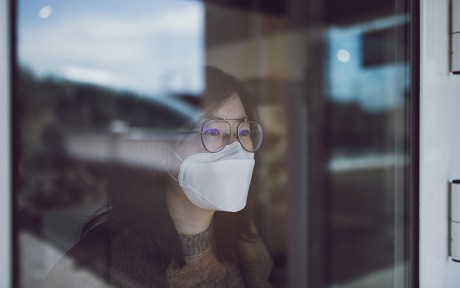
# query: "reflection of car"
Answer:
x=132 y=146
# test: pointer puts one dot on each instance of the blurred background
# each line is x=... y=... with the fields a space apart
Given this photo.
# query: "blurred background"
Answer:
x=102 y=82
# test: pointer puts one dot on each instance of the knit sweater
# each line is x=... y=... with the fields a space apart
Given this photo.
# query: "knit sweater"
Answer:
x=101 y=261
x=203 y=269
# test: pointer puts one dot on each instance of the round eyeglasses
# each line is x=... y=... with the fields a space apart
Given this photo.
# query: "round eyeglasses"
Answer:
x=216 y=133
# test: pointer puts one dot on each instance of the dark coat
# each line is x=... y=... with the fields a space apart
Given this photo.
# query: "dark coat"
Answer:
x=100 y=260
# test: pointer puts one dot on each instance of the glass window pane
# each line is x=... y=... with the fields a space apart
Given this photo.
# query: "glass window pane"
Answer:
x=111 y=98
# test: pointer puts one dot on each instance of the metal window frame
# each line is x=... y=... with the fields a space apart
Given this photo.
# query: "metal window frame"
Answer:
x=5 y=144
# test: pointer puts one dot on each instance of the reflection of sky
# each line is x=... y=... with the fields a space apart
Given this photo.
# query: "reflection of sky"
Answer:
x=113 y=42
x=373 y=88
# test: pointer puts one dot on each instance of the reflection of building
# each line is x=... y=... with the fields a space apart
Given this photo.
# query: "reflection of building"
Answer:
x=328 y=163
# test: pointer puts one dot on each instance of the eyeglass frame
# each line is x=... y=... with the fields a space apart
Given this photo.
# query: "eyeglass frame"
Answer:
x=242 y=120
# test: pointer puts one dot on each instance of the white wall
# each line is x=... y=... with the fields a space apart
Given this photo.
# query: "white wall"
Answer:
x=439 y=146
x=4 y=150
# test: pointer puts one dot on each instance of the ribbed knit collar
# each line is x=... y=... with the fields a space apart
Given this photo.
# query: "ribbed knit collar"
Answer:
x=196 y=244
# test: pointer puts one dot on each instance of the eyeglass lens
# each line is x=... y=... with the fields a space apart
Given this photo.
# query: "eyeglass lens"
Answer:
x=216 y=134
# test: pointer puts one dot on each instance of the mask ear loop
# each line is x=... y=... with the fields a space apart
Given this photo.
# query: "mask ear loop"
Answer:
x=167 y=167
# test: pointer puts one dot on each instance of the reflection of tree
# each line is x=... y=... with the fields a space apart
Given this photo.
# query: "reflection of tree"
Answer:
x=46 y=108
x=80 y=105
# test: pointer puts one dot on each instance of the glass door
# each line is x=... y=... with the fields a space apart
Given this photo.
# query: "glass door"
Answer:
x=99 y=87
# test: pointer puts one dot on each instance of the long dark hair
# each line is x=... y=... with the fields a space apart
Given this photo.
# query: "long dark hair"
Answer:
x=131 y=203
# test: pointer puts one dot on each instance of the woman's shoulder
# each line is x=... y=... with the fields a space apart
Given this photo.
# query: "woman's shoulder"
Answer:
x=107 y=259
x=86 y=264
x=255 y=262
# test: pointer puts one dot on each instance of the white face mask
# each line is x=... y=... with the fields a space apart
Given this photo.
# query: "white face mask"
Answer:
x=218 y=181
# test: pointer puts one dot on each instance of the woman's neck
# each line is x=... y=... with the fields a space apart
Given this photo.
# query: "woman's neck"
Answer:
x=188 y=218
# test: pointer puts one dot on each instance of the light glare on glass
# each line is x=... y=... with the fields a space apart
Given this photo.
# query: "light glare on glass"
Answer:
x=343 y=55
x=45 y=12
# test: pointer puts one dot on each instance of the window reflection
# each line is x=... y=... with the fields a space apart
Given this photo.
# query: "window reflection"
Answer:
x=96 y=86
x=366 y=102
x=112 y=43
x=103 y=87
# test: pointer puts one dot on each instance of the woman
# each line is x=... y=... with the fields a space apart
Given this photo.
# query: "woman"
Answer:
x=190 y=228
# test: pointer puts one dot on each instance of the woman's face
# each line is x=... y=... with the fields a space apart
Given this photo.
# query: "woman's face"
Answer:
x=232 y=109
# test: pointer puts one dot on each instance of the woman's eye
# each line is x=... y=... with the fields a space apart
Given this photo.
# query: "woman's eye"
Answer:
x=211 y=132
x=244 y=133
